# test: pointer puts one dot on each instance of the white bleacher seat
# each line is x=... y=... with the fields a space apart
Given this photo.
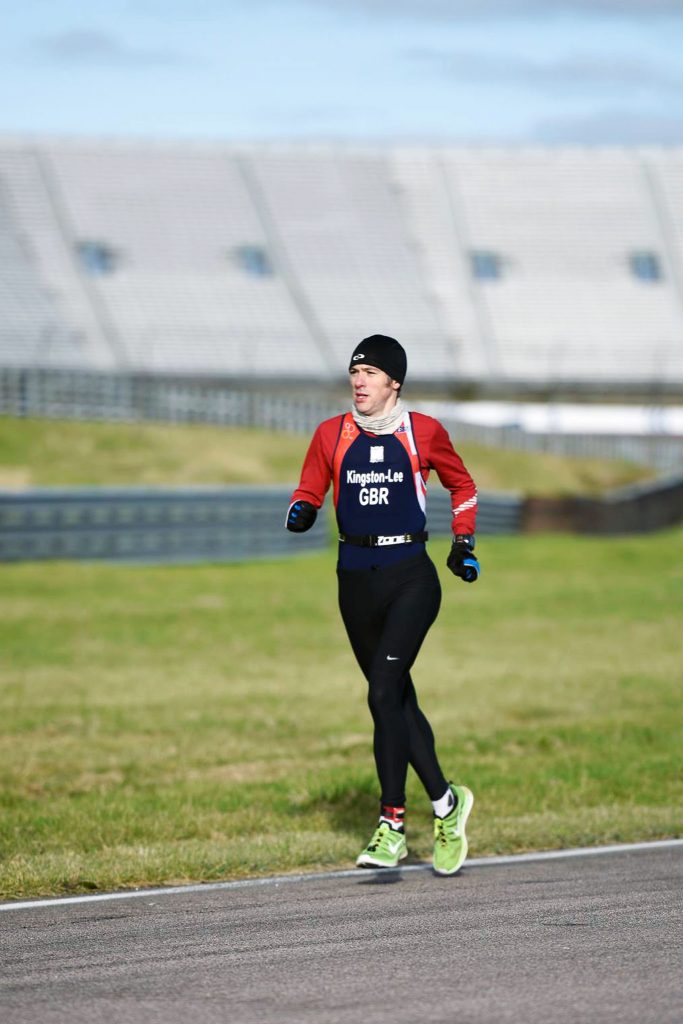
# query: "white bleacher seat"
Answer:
x=359 y=240
x=345 y=238
x=178 y=297
x=46 y=315
x=565 y=222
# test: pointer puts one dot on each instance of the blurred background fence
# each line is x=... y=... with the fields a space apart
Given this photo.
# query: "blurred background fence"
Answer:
x=71 y=394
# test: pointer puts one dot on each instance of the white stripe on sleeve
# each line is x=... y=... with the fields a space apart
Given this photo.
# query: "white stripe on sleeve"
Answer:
x=470 y=503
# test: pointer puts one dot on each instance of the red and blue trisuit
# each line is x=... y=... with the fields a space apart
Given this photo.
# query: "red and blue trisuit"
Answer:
x=389 y=591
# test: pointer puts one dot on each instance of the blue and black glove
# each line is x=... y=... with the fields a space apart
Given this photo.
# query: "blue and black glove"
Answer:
x=461 y=560
x=301 y=516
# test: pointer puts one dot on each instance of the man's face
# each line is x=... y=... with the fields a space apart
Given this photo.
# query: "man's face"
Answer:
x=374 y=392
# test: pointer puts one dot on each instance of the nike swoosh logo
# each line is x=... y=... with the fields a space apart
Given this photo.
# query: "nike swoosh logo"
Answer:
x=389 y=658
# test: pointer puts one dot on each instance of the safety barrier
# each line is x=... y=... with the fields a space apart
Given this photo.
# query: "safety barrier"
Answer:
x=231 y=524
x=217 y=524
x=150 y=525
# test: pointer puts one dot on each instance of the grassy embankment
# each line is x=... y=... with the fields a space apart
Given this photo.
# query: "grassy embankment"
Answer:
x=63 y=453
x=176 y=723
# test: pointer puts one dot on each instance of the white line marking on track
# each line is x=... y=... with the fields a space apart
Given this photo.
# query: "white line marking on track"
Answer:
x=275 y=880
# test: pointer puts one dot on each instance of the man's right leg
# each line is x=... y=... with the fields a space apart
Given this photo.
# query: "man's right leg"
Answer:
x=412 y=604
x=364 y=619
x=387 y=615
x=362 y=605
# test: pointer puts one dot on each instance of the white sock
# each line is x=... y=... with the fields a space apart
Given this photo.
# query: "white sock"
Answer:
x=445 y=804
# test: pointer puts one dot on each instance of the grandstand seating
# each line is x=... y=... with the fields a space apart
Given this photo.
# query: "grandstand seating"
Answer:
x=179 y=299
x=46 y=316
x=565 y=223
x=345 y=241
x=491 y=265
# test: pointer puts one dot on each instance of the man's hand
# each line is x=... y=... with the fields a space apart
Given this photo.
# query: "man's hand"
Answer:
x=301 y=516
x=461 y=560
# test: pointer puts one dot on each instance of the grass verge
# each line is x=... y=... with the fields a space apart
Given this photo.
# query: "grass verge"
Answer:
x=162 y=725
x=51 y=453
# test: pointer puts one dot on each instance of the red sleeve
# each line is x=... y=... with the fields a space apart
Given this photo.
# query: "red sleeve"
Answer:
x=437 y=452
x=316 y=472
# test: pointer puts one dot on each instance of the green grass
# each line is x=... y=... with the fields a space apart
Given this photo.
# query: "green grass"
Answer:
x=67 y=453
x=169 y=724
x=44 y=453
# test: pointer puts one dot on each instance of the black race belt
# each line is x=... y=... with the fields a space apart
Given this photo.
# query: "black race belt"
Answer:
x=374 y=540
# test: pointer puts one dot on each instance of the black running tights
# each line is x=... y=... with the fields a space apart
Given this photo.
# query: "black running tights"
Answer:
x=387 y=613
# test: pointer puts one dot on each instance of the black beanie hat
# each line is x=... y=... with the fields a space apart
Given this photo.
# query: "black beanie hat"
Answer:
x=384 y=353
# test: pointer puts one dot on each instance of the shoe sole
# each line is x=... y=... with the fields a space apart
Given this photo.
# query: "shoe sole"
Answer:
x=469 y=803
x=366 y=861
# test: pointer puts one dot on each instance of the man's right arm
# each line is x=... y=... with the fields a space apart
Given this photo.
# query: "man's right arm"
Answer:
x=316 y=475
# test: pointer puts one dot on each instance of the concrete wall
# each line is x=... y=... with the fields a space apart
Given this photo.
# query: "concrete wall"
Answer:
x=637 y=509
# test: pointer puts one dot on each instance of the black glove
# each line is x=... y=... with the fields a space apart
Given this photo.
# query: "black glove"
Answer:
x=301 y=516
x=461 y=560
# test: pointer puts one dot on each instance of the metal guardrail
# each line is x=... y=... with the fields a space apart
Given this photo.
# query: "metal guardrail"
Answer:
x=213 y=524
x=150 y=525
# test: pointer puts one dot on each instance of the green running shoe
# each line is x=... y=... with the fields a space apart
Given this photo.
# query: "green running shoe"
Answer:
x=386 y=848
x=450 y=841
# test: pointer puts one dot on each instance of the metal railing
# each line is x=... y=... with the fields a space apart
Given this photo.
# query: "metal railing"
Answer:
x=82 y=395
x=659 y=451
x=85 y=395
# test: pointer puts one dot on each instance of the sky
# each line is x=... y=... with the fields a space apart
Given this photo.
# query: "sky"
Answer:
x=408 y=71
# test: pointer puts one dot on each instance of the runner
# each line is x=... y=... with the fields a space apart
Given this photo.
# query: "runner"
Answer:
x=378 y=457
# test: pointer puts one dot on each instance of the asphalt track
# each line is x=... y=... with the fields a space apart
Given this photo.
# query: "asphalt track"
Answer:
x=573 y=938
